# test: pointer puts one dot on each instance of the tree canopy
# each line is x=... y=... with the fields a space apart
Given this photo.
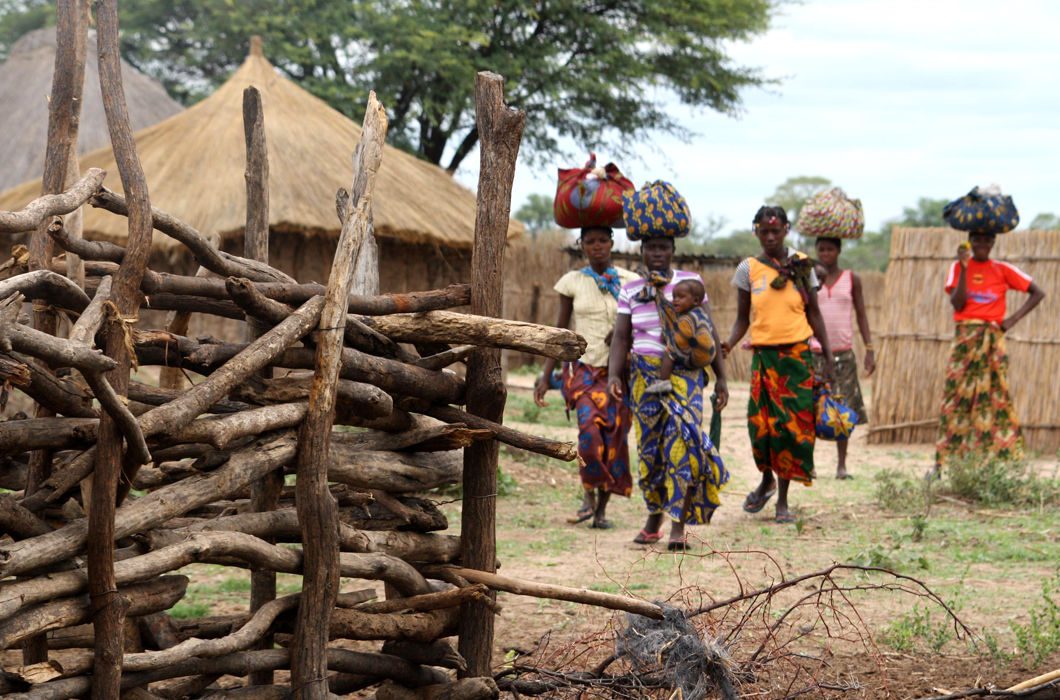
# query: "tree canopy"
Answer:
x=600 y=72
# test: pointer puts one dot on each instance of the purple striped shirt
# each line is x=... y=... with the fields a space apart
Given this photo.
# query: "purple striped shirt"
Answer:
x=647 y=330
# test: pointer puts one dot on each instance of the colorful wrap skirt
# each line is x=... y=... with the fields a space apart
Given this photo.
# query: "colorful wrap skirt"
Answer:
x=977 y=413
x=681 y=472
x=780 y=417
x=603 y=425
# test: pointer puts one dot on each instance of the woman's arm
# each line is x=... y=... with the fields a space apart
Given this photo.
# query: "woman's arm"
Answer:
x=1035 y=298
x=566 y=308
x=742 y=322
x=616 y=362
x=959 y=295
x=863 y=323
x=813 y=315
x=721 y=387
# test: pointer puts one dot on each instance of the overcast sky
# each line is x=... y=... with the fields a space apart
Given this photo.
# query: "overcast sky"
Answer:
x=892 y=100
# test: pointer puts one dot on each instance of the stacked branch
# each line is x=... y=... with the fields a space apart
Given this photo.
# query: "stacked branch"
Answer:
x=327 y=399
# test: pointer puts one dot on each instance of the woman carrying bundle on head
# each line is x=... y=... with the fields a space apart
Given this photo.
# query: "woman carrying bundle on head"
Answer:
x=681 y=473
x=977 y=414
x=777 y=300
x=589 y=296
x=831 y=217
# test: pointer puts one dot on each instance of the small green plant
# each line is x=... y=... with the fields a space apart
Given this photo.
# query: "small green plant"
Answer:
x=1041 y=636
x=919 y=523
x=916 y=627
x=995 y=482
x=896 y=491
x=234 y=585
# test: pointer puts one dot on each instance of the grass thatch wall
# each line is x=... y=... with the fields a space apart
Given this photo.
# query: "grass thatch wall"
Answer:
x=917 y=327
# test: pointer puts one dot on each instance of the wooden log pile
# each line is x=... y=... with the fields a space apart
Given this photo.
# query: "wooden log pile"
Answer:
x=304 y=448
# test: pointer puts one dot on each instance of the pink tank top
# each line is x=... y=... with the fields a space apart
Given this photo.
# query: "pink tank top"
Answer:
x=837 y=308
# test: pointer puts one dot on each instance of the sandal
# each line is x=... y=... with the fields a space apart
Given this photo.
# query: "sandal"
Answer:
x=784 y=518
x=678 y=546
x=583 y=514
x=645 y=537
x=602 y=524
x=753 y=504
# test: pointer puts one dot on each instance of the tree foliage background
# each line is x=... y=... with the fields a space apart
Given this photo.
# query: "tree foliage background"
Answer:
x=599 y=72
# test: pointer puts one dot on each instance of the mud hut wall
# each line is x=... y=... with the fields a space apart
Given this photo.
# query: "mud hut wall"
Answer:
x=916 y=330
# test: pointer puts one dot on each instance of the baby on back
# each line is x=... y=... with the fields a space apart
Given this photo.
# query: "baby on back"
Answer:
x=687 y=338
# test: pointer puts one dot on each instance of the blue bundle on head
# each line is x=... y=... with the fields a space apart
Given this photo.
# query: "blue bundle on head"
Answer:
x=656 y=210
x=983 y=210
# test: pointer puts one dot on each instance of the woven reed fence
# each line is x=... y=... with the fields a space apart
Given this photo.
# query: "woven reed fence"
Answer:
x=913 y=340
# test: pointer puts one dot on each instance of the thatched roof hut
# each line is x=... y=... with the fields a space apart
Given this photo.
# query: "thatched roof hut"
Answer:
x=916 y=329
x=26 y=82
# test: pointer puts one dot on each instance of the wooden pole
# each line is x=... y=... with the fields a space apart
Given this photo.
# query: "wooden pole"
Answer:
x=108 y=606
x=64 y=108
x=316 y=507
x=265 y=494
x=500 y=130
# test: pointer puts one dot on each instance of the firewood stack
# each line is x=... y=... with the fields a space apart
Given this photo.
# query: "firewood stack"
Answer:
x=323 y=430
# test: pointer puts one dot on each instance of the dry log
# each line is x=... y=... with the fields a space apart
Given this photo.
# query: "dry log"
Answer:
x=158 y=630
x=62 y=396
x=36 y=673
x=46 y=286
x=193 y=304
x=417 y=626
x=204 y=253
x=54 y=433
x=156 y=396
x=481 y=688
x=12 y=474
x=244 y=466
x=393 y=472
x=451 y=327
x=283 y=525
x=19 y=522
x=55 y=351
x=430 y=601
x=88 y=250
x=210 y=547
x=567 y=451
x=61 y=689
x=364 y=401
x=160 y=348
x=436 y=653
x=554 y=592
x=429 y=438
x=222 y=431
x=143 y=598
x=47 y=206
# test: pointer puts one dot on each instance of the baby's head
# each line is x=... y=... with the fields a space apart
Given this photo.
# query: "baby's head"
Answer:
x=688 y=294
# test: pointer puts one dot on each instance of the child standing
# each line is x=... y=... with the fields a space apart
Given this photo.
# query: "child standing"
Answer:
x=841 y=300
x=688 y=334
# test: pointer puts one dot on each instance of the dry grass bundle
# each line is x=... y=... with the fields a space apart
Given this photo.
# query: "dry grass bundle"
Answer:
x=917 y=328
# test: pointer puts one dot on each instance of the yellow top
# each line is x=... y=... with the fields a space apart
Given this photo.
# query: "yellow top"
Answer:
x=778 y=316
x=594 y=312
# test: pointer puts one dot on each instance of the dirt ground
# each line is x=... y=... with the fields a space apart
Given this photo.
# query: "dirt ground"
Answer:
x=834 y=647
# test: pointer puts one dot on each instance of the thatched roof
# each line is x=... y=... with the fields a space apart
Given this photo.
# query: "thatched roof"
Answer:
x=195 y=161
x=26 y=82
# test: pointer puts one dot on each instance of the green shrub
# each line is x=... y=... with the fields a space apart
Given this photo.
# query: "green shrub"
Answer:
x=997 y=482
x=1041 y=636
x=898 y=492
x=917 y=626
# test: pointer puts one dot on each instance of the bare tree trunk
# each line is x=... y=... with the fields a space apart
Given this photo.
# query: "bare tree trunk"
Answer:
x=500 y=129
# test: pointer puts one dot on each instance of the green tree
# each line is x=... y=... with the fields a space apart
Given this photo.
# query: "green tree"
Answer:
x=794 y=192
x=537 y=214
x=598 y=72
x=20 y=16
x=1045 y=222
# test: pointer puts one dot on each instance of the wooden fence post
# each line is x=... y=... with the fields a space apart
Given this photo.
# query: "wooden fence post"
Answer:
x=500 y=131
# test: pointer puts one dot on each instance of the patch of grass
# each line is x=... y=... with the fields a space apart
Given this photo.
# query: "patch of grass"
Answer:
x=188 y=611
x=897 y=492
x=235 y=585
x=1041 y=636
x=531 y=370
x=521 y=408
x=997 y=482
x=893 y=558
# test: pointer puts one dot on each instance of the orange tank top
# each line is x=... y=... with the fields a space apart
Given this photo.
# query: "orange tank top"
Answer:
x=778 y=316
